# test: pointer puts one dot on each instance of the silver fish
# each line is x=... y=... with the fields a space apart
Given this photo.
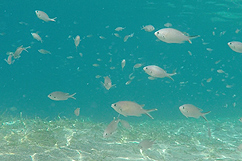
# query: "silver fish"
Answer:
x=190 y=110
x=129 y=108
x=43 y=16
x=107 y=83
x=60 y=96
x=235 y=46
x=19 y=50
x=170 y=35
x=111 y=128
x=157 y=72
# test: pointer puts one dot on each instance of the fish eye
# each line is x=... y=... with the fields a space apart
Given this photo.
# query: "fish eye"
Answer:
x=115 y=104
x=157 y=32
x=183 y=107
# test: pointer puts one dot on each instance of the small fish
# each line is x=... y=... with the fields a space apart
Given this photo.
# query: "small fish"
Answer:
x=220 y=71
x=19 y=50
x=129 y=108
x=119 y=28
x=77 y=111
x=60 y=96
x=125 y=124
x=107 y=83
x=95 y=65
x=37 y=37
x=167 y=24
x=123 y=63
x=170 y=35
x=116 y=34
x=235 y=46
x=9 y=59
x=148 y=28
x=240 y=119
x=190 y=110
x=128 y=82
x=136 y=66
x=145 y=144
x=43 y=16
x=157 y=72
x=111 y=128
x=77 y=41
x=43 y=51
x=128 y=36
x=209 y=80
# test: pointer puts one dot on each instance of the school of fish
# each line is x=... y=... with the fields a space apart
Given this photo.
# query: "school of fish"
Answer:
x=127 y=107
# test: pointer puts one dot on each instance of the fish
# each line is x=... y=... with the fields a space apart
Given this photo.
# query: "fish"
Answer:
x=60 y=96
x=129 y=108
x=190 y=110
x=9 y=59
x=123 y=63
x=43 y=16
x=119 y=28
x=37 y=37
x=77 y=111
x=146 y=144
x=125 y=124
x=128 y=36
x=240 y=119
x=111 y=128
x=136 y=66
x=157 y=72
x=235 y=46
x=148 y=28
x=43 y=51
x=107 y=83
x=171 y=35
x=19 y=50
x=77 y=41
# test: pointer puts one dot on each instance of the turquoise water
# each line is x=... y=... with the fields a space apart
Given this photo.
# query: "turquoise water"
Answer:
x=26 y=83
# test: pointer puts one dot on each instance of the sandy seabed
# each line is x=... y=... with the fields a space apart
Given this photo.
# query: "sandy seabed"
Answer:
x=80 y=139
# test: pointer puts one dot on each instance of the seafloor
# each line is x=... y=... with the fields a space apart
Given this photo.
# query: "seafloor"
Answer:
x=65 y=139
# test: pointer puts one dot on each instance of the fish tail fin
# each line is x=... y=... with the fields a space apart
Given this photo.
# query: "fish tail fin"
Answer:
x=192 y=37
x=147 y=112
x=169 y=75
x=53 y=19
x=25 y=49
x=203 y=115
x=71 y=96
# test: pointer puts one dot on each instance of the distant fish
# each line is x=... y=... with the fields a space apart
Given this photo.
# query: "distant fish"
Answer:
x=190 y=110
x=43 y=16
x=77 y=41
x=119 y=28
x=148 y=28
x=125 y=124
x=170 y=35
x=145 y=144
x=129 y=108
x=111 y=128
x=123 y=63
x=37 y=37
x=60 y=96
x=77 y=111
x=107 y=83
x=19 y=50
x=9 y=59
x=43 y=51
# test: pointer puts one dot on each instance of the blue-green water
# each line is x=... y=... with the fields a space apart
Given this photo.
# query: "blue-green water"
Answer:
x=26 y=83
